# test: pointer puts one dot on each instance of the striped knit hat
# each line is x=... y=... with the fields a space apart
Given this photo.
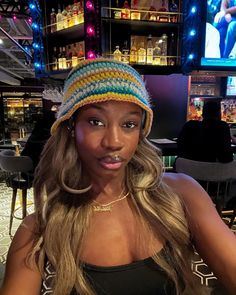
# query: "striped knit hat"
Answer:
x=100 y=80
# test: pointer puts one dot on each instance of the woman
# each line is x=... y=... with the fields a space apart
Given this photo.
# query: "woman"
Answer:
x=108 y=220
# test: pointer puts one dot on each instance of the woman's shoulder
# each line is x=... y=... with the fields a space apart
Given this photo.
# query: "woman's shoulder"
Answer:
x=188 y=189
x=177 y=180
x=29 y=223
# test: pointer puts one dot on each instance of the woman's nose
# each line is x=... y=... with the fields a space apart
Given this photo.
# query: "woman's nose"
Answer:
x=113 y=138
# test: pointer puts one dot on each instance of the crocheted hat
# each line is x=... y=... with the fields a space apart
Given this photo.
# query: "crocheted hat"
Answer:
x=99 y=80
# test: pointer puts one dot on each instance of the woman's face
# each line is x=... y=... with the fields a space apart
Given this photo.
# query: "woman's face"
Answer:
x=107 y=135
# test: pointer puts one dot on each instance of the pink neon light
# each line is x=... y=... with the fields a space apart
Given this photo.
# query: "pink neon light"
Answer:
x=91 y=55
x=90 y=30
x=89 y=5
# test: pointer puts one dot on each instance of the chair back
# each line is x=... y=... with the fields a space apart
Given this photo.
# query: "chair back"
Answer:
x=207 y=171
x=11 y=163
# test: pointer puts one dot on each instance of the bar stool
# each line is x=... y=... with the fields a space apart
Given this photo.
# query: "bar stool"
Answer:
x=18 y=176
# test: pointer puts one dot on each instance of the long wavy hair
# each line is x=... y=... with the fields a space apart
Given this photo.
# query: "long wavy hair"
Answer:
x=63 y=212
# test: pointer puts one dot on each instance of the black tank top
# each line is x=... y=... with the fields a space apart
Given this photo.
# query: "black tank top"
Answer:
x=143 y=277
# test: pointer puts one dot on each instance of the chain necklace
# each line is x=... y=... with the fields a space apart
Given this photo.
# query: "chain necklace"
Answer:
x=107 y=207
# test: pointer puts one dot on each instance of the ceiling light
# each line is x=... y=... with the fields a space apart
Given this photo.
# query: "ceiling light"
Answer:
x=1 y=41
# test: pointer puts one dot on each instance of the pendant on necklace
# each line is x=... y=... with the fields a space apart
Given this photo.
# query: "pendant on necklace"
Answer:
x=100 y=208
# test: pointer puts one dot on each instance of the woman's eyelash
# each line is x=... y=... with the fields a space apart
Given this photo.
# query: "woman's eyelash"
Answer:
x=131 y=124
x=95 y=122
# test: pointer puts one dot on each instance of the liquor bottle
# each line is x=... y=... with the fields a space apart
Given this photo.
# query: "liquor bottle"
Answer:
x=141 y=54
x=74 y=58
x=125 y=11
x=68 y=57
x=149 y=50
x=70 y=19
x=59 y=19
x=81 y=50
x=156 y=53
x=81 y=12
x=64 y=62
x=53 y=20
x=60 y=62
x=163 y=7
x=117 y=53
x=75 y=12
x=133 y=58
x=172 y=51
x=173 y=7
x=54 y=60
x=64 y=18
x=62 y=58
x=135 y=14
x=164 y=50
x=152 y=16
x=117 y=13
x=125 y=53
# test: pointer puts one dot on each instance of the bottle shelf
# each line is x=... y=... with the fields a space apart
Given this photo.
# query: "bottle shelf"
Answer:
x=67 y=34
x=141 y=15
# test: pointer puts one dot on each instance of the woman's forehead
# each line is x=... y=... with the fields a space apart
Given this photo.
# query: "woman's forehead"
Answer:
x=111 y=105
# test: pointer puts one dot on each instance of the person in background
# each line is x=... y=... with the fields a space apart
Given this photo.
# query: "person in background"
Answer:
x=225 y=22
x=108 y=220
x=208 y=140
x=38 y=137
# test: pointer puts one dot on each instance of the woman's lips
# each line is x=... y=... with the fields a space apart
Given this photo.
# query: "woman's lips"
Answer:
x=110 y=162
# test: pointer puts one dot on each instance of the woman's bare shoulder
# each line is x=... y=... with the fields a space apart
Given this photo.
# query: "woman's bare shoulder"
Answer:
x=20 y=278
x=179 y=182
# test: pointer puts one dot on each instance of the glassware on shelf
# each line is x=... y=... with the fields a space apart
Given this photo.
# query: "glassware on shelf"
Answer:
x=59 y=19
x=75 y=12
x=125 y=53
x=70 y=21
x=74 y=57
x=54 y=60
x=142 y=54
x=152 y=16
x=117 y=53
x=64 y=18
x=53 y=21
x=81 y=50
x=163 y=44
x=135 y=14
x=172 y=50
x=163 y=7
x=117 y=11
x=133 y=58
x=62 y=58
x=125 y=11
x=157 y=54
x=173 y=7
x=68 y=55
x=81 y=12
x=149 y=50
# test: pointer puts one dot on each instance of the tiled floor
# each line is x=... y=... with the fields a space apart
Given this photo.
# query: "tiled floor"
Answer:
x=199 y=267
x=5 y=240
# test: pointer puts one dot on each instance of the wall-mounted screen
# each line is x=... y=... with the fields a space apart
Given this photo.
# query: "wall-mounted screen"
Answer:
x=231 y=86
x=220 y=31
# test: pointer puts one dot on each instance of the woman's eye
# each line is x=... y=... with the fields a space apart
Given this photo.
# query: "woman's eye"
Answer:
x=130 y=124
x=95 y=122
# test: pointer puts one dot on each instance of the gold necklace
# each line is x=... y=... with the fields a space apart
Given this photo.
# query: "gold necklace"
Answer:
x=107 y=207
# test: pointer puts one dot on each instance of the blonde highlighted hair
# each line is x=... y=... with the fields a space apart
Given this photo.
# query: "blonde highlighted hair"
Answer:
x=63 y=216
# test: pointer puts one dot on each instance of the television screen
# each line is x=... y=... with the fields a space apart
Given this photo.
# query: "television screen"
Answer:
x=220 y=30
x=231 y=86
